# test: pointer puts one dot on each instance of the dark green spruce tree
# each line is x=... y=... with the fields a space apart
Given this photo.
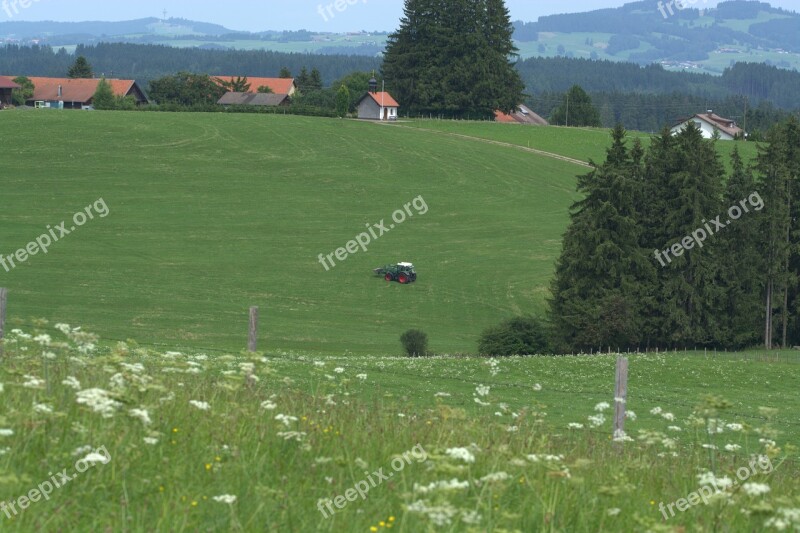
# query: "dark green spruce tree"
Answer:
x=741 y=262
x=686 y=170
x=599 y=296
x=778 y=172
x=454 y=58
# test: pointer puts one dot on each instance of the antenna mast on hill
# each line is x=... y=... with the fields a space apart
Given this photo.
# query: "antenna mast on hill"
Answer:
x=165 y=16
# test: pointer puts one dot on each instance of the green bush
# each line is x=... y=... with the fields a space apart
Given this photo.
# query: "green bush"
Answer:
x=517 y=336
x=415 y=343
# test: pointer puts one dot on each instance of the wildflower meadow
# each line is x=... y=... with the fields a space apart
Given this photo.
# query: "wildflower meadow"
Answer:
x=190 y=441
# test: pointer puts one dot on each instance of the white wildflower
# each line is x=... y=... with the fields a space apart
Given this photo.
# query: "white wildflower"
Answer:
x=453 y=484
x=6 y=432
x=142 y=415
x=495 y=477
x=72 y=382
x=43 y=408
x=482 y=390
x=43 y=339
x=203 y=406
x=99 y=401
x=602 y=406
x=756 y=489
x=460 y=454
x=286 y=420
x=225 y=498
x=269 y=406
x=152 y=441
x=597 y=420
x=32 y=382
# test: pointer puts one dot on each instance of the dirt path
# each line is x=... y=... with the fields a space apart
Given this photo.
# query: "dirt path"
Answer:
x=551 y=155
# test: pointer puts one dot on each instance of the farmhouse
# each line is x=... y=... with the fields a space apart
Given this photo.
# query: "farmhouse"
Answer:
x=66 y=93
x=285 y=86
x=255 y=99
x=7 y=87
x=709 y=123
x=523 y=115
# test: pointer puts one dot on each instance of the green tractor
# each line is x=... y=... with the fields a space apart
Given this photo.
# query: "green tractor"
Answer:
x=403 y=273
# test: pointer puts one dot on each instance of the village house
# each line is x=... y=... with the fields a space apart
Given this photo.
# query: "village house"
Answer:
x=67 y=93
x=708 y=123
x=7 y=87
x=377 y=105
x=285 y=86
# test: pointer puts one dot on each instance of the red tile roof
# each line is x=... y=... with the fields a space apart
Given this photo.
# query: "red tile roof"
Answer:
x=724 y=125
x=75 y=90
x=384 y=99
x=7 y=83
x=278 y=85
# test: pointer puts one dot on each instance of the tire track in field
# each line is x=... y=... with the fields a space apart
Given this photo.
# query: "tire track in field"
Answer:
x=551 y=155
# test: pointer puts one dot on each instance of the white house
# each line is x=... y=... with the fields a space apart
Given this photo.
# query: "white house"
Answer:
x=708 y=123
x=378 y=106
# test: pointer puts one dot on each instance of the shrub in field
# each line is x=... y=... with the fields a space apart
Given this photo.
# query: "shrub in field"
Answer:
x=415 y=343
x=517 y=336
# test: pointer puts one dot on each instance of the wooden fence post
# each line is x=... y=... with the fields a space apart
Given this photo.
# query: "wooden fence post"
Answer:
x=252 y=343
x=3 y=298
x=620 y=396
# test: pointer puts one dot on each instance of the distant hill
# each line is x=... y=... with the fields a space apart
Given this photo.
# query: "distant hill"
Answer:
x=647 y=32
x=146 y=26
x=642 y=32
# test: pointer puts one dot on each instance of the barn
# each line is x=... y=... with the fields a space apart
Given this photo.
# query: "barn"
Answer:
x=7 y=87
x=67 y=93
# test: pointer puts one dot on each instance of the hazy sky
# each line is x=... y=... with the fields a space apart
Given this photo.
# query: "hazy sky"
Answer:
x=254 y=15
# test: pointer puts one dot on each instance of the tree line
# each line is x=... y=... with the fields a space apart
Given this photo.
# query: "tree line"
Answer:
x=666 y=249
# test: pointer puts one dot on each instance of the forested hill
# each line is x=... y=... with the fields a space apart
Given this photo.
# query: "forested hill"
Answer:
x=651 y=32
x=148 y=62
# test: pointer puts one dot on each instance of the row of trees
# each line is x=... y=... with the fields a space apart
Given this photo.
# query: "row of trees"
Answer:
x=622 y=282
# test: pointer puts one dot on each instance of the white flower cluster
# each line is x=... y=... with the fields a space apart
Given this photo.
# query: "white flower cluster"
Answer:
x=99 y=401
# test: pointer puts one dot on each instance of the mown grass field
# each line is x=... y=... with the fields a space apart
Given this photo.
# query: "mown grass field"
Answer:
x=218 y=442
x=584 y=144
x=213 y=213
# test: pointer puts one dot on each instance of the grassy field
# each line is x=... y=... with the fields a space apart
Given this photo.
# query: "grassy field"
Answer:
x=164 y=441
x=579 y=143
x=212 y=213
x=203 y=215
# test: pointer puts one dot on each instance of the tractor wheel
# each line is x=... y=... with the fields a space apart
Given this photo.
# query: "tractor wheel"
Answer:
x=403 y=279
x=413 y=278
x=389 y=277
